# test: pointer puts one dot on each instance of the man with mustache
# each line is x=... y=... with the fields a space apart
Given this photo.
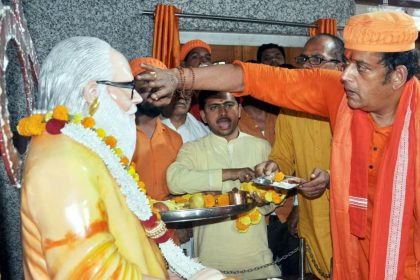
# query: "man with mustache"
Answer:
x=302 y=147
x=157 y=145
x=177 y=117
x=219 y=162
x=374 y=111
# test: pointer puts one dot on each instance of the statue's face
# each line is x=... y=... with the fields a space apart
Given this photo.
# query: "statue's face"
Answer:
x=122 y=73
x=116 y=111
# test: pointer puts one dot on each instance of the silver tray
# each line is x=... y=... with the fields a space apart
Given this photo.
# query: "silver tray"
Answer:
x=199 y=214
x=284 y=184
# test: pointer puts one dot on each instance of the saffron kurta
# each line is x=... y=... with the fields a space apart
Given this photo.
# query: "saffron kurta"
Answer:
x=75 y=222
x=320 y=92
x=218 y=244
x=153 y=156
x=303 y=142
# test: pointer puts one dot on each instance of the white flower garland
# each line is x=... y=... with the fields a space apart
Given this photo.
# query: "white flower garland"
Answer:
x=136 y=200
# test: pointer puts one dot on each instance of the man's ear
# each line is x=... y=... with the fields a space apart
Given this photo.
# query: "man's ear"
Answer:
x=203 y=116
x=240 y=110
x=90 y=92
x=399 y=77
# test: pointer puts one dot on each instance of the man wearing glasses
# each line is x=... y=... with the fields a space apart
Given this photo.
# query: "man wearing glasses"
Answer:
x=302 y=147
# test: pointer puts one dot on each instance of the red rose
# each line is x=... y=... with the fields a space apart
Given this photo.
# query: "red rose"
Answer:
x=54 y=126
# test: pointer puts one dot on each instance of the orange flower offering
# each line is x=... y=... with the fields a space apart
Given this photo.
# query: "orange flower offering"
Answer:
x=255 y=216
x=110 y=141
x=124 y=160
x=279 y=176
x=222 y=200
x=209 y=200
x=241 y=227
x=61 y=113
x=89 y=122
x=32 y=125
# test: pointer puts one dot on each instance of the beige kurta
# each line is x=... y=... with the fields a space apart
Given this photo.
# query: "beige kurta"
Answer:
x=218 y=244
x=75 y=223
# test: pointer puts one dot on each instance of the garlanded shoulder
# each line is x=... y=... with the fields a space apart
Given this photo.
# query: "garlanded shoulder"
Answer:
x=82 y=130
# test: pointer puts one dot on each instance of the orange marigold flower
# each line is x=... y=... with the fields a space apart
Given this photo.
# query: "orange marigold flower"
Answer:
x=88 y=122
x=179 y=199
x=255 y=216
x=124 y=160
x=61 y=113
x=23 y=127
x=222 y=200
x=110 y=141
x=241 y=227
x=36 y=125
x=133 y=164
x=209 y=201
x=278 y=177
x=141 y=185
x=276 y=198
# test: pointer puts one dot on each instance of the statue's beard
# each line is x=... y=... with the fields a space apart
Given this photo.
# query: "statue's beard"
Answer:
x=116 y=122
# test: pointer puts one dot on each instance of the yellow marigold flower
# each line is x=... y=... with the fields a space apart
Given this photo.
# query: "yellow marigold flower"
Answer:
x=118 y=152
x=255 y=216
x=110 y=141
x=131 y=171
x=245 y=219
x=278 y=177
x=88 y=122
x=136 y=177
x=61 y=113
x=247 y=186
x=241 y=227
x=101 y=134
x=48 y=116
x=76 y=119
x=209 y=201
x=268 y=196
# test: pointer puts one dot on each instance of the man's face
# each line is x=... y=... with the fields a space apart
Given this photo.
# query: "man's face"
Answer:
x=321 y=48
x=221 y=112
x=272 y=57
x=198 y=57
x=364 y=82
x=180 y=104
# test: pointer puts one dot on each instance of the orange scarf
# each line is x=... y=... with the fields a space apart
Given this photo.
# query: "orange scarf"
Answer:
x=395 y=191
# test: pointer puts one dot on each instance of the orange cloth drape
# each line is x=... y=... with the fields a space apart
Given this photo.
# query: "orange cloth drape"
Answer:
x=324 y=25
x=166 y=35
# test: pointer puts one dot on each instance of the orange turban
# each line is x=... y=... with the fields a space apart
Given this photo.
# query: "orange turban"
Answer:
x=190 y=45
x=380 y=32
x=135 y=64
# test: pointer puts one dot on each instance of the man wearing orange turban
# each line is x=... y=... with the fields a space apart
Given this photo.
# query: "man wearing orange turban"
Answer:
x=157 y=145
x=195 y=53
x=374 y=111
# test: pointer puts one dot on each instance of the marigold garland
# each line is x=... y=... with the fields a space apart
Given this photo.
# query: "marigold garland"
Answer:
x=81 y=130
